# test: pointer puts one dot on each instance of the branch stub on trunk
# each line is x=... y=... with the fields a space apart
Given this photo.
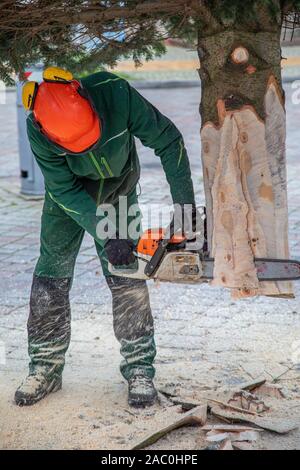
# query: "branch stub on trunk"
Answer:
x=240 y=55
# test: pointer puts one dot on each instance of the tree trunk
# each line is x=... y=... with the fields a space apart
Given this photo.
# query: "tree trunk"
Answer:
x=243 y=154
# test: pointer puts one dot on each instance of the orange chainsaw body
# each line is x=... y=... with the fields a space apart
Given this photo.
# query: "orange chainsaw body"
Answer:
x=150 y=239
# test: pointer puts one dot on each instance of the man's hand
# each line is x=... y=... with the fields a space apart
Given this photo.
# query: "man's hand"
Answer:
x=120 y=252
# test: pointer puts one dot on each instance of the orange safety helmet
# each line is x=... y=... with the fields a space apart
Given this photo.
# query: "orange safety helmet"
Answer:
x=63 y=111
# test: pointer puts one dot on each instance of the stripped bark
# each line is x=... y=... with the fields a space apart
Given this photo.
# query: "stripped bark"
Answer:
x=243 y=155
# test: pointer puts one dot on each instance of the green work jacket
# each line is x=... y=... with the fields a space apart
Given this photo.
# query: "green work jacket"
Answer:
x=113 y=166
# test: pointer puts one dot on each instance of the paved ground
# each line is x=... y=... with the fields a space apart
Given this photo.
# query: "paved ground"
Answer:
x=182 y=64
x=205 y=340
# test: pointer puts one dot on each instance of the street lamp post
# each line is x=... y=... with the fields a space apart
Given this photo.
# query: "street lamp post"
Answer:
x=32 y=181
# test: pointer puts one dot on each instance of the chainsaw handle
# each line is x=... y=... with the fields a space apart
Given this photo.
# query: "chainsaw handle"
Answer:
x=154 y=262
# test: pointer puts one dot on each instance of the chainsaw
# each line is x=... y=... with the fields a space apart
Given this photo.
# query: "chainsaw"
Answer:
x=165 y=256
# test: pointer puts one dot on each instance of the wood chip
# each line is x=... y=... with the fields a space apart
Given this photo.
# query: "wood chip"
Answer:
x=216 y=436
x=231 y=407
x=186 y=403
x=248 y=402
x=196 y=416
x=242 y=446
x=270 y=390
x=277 y=425
x=249 y=386
x=229 y=428
x=224 y=445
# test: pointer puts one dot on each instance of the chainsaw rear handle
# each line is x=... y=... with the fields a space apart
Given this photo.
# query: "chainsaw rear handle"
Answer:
x=154 y=262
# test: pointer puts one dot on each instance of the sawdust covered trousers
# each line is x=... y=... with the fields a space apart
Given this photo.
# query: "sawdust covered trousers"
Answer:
x=49 y=323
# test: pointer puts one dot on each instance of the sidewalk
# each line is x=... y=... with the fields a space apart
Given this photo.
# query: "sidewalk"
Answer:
x=205 y=340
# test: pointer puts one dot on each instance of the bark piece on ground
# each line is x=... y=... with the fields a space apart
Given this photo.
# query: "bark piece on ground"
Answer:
x=248 y=401
x=237 y=428
x=223 y=445
x=216 y=436
x=246 y=192
x=270 y=390
x=277 y=425
x=186 y=403
x=242 y=446
x=230 y=406
x=240 y=400
x=169 y=390
x=165 y=400
x=249 y=386
x=197 y=416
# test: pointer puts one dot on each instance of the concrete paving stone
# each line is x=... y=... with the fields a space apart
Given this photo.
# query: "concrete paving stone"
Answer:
x=18 y=267
x=14 y=298
x=6 y=310
x=83 y=272
x=84 y=259
x=3 y=257
x=88 y=251
x=10 y=248
x=93 y=310
x=5 y=274
x=21 y=258
x=4 y=241
x=32 y=251
x=88 y=274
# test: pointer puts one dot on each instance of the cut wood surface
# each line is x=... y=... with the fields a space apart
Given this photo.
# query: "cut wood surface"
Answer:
x=240 y=55
x=246 y=193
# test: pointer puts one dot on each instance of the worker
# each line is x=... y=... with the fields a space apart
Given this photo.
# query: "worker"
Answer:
x=82 y=136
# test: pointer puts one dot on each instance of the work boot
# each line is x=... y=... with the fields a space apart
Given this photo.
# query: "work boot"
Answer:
x=141 y=391
x=35 y=387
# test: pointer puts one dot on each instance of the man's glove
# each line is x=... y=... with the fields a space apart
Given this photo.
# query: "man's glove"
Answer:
x=120 y=252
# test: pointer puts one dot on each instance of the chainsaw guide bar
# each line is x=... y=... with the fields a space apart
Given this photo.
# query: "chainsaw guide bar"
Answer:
x=189 y=268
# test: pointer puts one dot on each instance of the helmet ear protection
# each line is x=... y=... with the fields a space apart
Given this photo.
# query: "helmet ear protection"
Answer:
x=28 y=94
x=56 y=74
x=51 y=75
